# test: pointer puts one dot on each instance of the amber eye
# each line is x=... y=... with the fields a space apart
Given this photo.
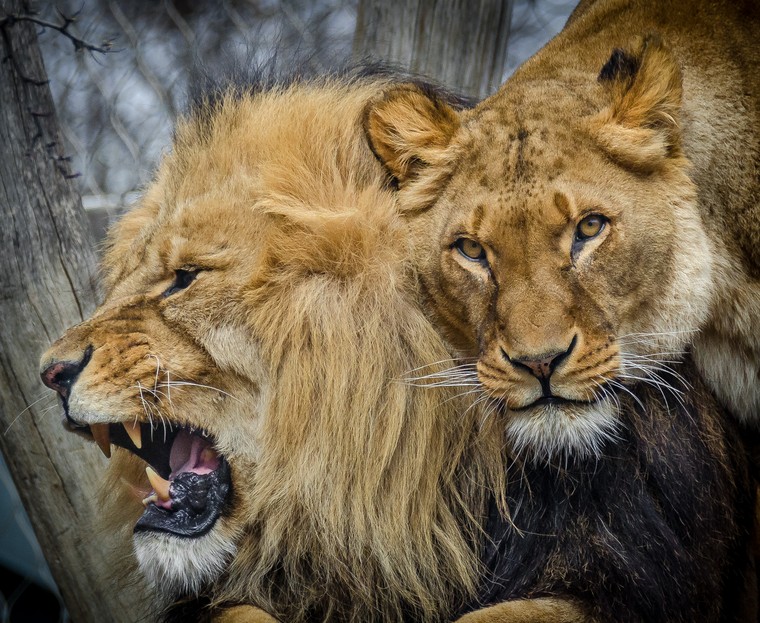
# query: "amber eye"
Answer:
x=470 y=249
x=182 y=279
x=590 y=226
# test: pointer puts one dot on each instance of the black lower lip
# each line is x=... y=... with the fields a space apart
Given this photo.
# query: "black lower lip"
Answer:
x=197 y=502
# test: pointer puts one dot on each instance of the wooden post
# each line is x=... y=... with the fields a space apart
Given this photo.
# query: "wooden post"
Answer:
x=460 y=43
x=46 y=285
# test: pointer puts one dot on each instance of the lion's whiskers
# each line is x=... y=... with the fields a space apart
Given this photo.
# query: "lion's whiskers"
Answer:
x=169 y=384
x=652 y=369
x=606 y=393
x=466 y=361
x=147 y=407
x=462 y=375
x=649 y=338
x=45 y=396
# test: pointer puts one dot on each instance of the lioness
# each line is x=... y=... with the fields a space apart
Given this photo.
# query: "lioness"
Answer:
x=596 y=216
x=256 y=347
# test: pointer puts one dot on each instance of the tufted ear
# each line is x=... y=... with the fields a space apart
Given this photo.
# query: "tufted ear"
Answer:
x=640 y=126
x=409 y=129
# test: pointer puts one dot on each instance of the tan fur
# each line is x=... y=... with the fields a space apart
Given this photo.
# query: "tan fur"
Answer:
x=356 y=494
x=538 y=610
x=243 y=614
x=663 y=141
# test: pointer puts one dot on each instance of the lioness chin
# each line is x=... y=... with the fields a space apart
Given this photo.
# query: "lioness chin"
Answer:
x=599 y=215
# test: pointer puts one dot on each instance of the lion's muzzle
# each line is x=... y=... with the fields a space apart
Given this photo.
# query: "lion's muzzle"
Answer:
x=190 y=480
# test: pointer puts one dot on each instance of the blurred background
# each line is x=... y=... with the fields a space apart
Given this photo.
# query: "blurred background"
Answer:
x=116 y=113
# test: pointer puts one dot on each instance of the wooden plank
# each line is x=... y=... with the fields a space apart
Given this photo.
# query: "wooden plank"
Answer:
x=460 y=43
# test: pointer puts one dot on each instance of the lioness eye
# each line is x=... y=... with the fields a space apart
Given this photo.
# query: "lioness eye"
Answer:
x=470 y=249
x=182 y=279
x=590 y=226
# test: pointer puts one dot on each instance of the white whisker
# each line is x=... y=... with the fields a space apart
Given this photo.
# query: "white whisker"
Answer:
x=191 y=384
x=442 y=361
x=39 y=400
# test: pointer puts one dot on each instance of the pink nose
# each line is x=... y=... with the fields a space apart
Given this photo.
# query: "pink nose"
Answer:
x=60 y=375
x=541 y=368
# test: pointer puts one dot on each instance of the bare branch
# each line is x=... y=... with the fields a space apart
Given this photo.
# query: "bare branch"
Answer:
x=63 y=28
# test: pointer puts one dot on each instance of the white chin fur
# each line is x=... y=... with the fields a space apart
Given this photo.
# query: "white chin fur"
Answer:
x=551 y=432
x=182 y=565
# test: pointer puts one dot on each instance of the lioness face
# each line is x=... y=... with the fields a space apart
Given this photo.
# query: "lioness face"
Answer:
x=558 y=240
x=540 y=259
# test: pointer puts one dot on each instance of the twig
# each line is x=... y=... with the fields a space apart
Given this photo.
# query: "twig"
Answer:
x=63 y=28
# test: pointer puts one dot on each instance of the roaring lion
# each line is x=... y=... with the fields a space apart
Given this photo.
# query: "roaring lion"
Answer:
x=596 y=216
x=263 y=348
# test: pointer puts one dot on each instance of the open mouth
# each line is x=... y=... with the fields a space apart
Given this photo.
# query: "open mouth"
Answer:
x=190 y=479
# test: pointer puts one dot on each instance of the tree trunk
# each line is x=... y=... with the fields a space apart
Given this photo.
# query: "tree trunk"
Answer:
x=460 y=43
x=47 y=285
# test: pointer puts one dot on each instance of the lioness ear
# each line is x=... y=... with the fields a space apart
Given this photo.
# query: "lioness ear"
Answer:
x=409 y=129
x=640 y=127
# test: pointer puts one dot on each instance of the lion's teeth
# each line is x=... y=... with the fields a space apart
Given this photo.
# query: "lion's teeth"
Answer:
x=151 y=498
x=160 y=486
x=101 y=433
x=135 y=433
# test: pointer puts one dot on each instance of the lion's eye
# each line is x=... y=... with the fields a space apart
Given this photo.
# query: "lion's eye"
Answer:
x=470 y=249
x=182 y=279
x=590 y=226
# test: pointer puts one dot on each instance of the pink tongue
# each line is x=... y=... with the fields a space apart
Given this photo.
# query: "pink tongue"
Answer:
x=192 y=453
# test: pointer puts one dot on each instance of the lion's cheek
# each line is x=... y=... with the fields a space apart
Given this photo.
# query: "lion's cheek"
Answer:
x=626 y=281
x=457 y=302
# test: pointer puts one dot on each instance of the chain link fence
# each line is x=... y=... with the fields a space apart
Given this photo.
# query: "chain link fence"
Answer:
x=116 y=112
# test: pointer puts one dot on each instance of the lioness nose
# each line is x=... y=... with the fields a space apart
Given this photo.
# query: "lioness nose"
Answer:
x=60 y=375
x=541 y=366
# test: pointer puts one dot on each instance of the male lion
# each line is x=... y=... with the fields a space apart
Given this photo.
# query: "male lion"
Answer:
x=596 y=216
x=261 y=315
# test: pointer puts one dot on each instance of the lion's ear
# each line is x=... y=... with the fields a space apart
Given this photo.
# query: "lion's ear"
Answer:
x=409 y=129
x=640 y=126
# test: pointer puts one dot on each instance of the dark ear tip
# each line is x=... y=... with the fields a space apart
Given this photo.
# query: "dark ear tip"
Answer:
x=621 y=66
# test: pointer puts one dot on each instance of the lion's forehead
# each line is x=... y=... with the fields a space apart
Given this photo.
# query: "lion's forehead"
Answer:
x=521 y=173
x=496 y=206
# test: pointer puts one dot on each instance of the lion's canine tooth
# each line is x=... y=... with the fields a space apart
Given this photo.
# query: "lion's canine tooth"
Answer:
x=134 y=432
x=101 y=433
x=160 y=486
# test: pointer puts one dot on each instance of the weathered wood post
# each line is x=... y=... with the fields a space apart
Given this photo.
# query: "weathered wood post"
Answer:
x=461 y=43
x=46 y=285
